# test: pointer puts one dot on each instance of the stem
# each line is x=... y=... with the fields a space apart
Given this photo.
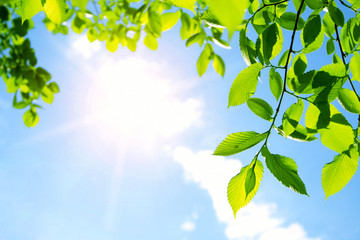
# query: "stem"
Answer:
x=348 y=6
x=286 y=71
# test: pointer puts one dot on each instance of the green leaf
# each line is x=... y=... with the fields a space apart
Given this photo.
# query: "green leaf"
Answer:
x=188 y=4
x=92 y=34
x=112 y=43
x=54 y=87
x=30 y=118
x=272 y=41
x=338 y=135
x=336 y=15
x=288 y=19
x=299 y=64
x=244 y=85
x=238 y=142
x=185 y=30
x=285 y=170
x=312 y=34
x=329 y=25
x=230 y=13
x=250 y=180
x=336 y=174
x=347 y=41
x=80 y=3
x=169 y=19
x=155 y=23
x=315 y=4
x=55 y=10
x=151 y=42
x=327 y=82
x=260 y=108
x=349 y=100
x=330 y=46
x=196 y=38
x=47 y=95
x=355 y=66
x=292 y=117
x=236 y=191
x=28 y=8
x=219 y=65
x=276 y=83
x=247 y=48
x=204 y=60
x=301 y=134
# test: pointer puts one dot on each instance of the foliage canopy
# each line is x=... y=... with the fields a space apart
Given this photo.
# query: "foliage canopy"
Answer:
x=269 y=32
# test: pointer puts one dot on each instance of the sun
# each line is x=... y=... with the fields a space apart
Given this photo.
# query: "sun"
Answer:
x=133 y=98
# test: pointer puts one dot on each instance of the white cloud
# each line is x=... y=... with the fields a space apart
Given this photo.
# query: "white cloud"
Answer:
x=255 y=221
x=188 y=226
x=83 y=47
x=133 y=97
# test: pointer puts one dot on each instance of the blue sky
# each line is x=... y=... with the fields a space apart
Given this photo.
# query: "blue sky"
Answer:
x=124 y=152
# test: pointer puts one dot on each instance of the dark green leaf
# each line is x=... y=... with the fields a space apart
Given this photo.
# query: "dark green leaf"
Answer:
x=287 y=21
x=336 y=15
x=285 y=170
x=330 y=46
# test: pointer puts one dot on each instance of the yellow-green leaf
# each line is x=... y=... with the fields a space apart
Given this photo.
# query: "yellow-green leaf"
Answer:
x=244 y=85
x=236 y=191
x=336 y=174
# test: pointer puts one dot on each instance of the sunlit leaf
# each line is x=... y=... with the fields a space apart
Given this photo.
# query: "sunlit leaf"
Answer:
x=355 y=66
x=292 y=117
x=244 y=85
x=260 y=108
x=219 y=65
x=238 y=142
x=204 y=60
x=276 y=83
x=285 y=170
x=336 y=174
x=236 y=191
x=349 y=100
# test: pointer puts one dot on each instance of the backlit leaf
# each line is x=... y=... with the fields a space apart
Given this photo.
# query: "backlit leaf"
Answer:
x=238 y=142
x=276 y=83
x=336 y=174
x=204 y=60
x=312 y=35
x=349 y=100
x=219 y=65
x=55 y=10
x=260 y=108
x=169 y=19
x=188 y=4
x=285 y=170
x=355 y=66
x=244 y=85
x=236 y=191
x=292 y=117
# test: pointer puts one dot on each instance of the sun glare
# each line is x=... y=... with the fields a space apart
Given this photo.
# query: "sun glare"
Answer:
x=132 y=97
